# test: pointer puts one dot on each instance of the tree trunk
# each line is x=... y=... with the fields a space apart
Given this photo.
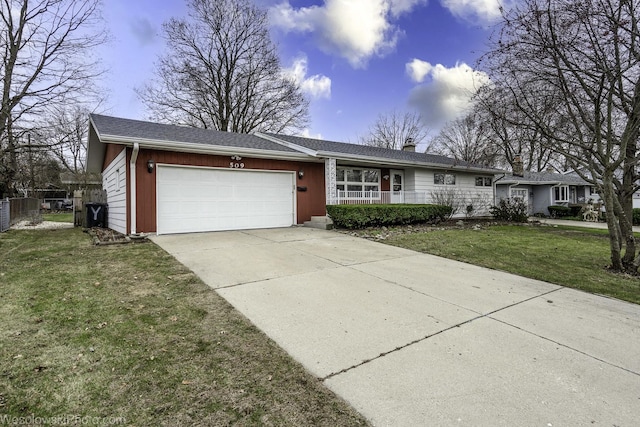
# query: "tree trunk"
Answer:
x=615 y=242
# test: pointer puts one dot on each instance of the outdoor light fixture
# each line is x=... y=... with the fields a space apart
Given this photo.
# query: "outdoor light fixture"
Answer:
x=386 y=177
x=300 y=173
x=150 y=165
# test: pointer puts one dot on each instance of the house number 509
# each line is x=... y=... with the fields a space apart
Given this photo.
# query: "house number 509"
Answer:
x=236 y=165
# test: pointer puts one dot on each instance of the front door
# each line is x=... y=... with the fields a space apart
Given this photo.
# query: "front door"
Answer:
x=397 y=186
x=522 y=194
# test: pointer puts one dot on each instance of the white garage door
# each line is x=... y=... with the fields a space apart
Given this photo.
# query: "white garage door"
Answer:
x=191 y=199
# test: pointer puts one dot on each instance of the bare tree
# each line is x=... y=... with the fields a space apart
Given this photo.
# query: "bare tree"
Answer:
x=393 y=129
x=512 y=134
x=468 y=139
x=67 y=135
x=46 y=60
x=223 y=72
x=573 y=71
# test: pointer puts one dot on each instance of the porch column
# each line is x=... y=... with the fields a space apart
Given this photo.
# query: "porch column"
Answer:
x=330 y=181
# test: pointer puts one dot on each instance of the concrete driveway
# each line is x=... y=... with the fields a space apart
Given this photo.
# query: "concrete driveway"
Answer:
x=410 y=339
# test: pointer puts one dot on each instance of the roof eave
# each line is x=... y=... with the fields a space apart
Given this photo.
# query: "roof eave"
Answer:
x=190 y=147
x=291 y=145
x=540 y=182
x=395 y=162
x=95 y=148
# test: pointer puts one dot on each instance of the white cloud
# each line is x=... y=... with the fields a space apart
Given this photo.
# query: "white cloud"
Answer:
x=316 y=86
x=447 y=93
x=352 y=29
x=418 y=69
x=306 y=133
x=477 y=11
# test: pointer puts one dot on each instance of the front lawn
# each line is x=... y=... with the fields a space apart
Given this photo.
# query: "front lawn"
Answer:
x=568 y=256
x=58 y=217
x=126 y=333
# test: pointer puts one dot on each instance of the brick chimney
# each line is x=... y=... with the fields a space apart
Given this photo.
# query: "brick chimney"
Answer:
x=409 y=145
x=518 y=167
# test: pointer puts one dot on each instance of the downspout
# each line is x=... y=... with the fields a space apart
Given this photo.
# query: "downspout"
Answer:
x=495 y=188
x=132 y=172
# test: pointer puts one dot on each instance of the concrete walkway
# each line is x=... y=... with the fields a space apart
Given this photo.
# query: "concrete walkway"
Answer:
x=411 y=339
x=569 y=223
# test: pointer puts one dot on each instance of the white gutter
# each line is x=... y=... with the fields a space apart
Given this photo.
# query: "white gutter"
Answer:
x=132 y=174
x=188 y=147
x=301 y=154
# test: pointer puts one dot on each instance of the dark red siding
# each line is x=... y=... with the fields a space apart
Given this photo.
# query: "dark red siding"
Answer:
x=111 y=152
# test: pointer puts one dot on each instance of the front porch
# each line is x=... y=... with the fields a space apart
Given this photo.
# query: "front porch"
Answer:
x=468 y=193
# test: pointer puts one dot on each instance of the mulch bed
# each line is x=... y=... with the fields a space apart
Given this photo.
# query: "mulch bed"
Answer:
x=383 y=233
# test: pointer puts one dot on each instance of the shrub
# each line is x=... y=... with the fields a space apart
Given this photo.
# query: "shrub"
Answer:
x=559 y=211
x=575 y=210
x=514 y=210
x=469 y=203
x=636 y=216
x=447 y=197
x=360 y=216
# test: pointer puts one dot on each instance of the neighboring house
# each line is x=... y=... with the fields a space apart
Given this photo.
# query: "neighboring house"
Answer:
x=174 y=179
x=540 y=190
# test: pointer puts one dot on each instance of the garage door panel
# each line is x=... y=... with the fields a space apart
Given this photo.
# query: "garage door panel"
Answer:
x=207 y=199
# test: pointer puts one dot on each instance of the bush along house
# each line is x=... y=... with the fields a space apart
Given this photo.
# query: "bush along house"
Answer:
x=173 y=179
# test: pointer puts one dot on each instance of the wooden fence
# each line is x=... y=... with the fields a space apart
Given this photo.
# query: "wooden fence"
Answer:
x=21 y=208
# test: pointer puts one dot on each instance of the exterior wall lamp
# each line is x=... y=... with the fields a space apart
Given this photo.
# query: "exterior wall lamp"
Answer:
x=386 y=177
x=150 y=165
x=300 y=173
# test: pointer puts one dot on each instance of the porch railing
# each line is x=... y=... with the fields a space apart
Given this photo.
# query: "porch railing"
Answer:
x=381 y=197
x=464 y=203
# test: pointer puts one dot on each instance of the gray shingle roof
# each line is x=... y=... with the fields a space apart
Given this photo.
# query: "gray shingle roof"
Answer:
x=375 y=152
x=544 y=177
x=127 y=128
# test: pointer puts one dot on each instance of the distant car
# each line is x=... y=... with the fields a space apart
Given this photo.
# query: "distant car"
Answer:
x=66 y=205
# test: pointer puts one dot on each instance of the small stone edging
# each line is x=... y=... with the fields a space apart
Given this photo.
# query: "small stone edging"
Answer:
x=106 y=237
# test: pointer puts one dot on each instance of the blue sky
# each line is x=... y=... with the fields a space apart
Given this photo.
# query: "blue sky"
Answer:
x=354 y=59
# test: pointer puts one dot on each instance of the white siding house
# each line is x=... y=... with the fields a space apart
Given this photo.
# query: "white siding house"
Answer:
x=114 y=181
x=464 y=189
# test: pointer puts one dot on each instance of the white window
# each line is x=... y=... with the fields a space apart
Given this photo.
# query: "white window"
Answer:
x=561 y=194
x=484 y=181
x=362 y=180
x=444 y=179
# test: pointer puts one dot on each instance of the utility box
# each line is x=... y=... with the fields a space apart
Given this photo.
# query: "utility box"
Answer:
x=96 y=215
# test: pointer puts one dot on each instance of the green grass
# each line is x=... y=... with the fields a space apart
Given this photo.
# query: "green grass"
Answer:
x=569 y=256
x=127 y=331
x=58 y=217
